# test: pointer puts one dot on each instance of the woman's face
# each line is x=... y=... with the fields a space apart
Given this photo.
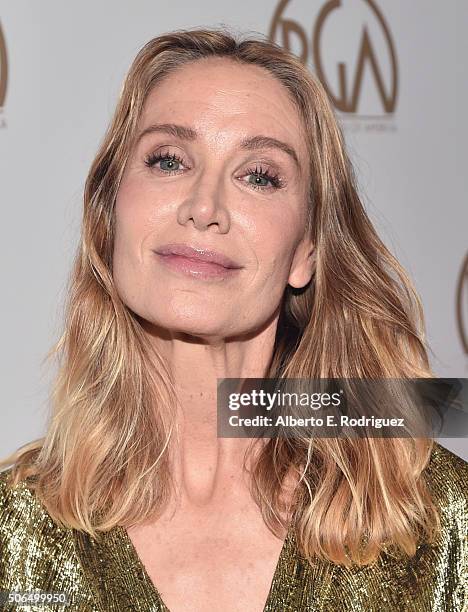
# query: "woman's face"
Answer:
x=208 y=171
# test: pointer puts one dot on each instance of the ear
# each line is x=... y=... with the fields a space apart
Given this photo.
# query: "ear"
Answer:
x=303 y=265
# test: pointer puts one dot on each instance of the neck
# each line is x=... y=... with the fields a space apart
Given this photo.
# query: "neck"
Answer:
x=202 y=462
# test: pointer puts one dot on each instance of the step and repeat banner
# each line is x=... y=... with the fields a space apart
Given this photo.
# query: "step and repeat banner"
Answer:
x=396 y=72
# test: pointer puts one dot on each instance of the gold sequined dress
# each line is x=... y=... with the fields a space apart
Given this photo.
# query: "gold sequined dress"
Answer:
x=108 y=576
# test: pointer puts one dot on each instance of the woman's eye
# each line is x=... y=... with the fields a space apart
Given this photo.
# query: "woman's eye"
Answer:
x=168 y=163
x=258 y=181
x=261 y=179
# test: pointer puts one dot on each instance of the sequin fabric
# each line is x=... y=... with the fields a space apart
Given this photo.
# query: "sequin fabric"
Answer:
x=106 y=575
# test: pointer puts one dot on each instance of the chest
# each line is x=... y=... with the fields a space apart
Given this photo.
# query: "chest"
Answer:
x=205 y=562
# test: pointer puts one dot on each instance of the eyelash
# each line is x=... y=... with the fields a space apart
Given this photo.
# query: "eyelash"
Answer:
x=275 y=180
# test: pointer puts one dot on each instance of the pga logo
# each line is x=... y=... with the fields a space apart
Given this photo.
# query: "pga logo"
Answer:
x=349 y=46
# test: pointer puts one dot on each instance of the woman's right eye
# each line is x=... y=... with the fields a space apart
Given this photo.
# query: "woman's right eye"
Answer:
x=169 y=163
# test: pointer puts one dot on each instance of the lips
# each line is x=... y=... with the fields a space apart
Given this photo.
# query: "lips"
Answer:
x=198 y=254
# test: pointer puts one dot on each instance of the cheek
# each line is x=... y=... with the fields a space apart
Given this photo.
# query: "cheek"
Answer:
x=131 y=227
x=274 y=245
x=127 y=232
x=132 y=202
x=135 y=209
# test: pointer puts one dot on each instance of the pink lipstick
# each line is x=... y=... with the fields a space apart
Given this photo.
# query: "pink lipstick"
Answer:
x=197 y=262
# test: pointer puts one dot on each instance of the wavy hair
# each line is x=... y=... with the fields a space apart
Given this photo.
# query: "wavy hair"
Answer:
x=105 y=456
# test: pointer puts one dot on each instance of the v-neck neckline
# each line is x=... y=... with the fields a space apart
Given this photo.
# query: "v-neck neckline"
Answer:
x=138 y=563
x=118 y=578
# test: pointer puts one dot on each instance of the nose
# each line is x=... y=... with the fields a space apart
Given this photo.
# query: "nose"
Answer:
x=205 y=206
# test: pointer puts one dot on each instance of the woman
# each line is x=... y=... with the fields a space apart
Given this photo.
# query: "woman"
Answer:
x=223 y=237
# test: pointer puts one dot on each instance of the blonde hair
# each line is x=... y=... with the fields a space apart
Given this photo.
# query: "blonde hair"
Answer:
x=104 y=459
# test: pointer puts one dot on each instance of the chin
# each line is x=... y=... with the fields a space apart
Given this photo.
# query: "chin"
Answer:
x=190 y=319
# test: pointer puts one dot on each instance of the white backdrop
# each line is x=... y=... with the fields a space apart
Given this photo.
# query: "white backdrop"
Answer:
x=66 y=62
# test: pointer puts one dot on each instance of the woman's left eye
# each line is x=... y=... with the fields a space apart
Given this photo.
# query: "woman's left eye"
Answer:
x=261 y=178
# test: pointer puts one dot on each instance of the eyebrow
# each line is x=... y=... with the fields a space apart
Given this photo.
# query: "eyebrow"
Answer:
x=252 y=143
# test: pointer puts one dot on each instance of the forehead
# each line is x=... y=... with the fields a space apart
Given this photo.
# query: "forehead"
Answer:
x=221 y=98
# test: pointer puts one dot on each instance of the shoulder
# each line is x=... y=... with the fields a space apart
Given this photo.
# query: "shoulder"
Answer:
x=447 y=478
x=19 y=507
x=36 y=553
x=30 y=541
